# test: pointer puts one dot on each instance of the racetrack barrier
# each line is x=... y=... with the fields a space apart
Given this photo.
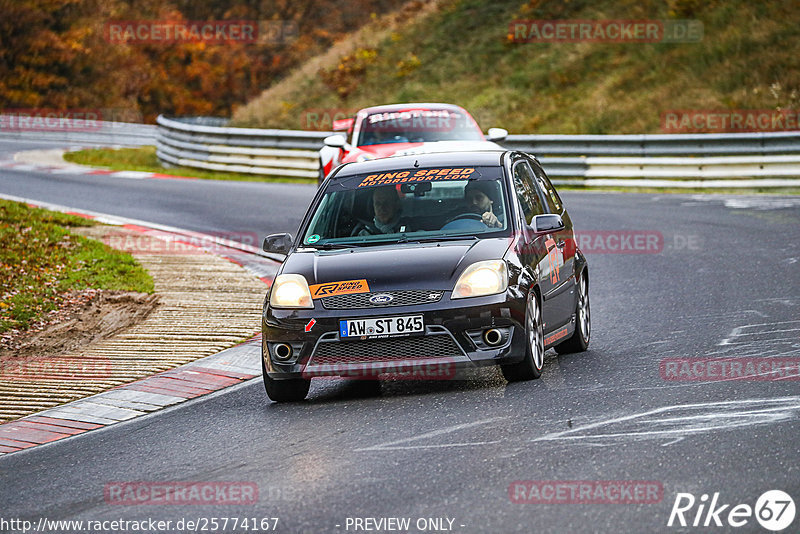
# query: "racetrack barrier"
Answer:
x=91 y=132
x=753 y=160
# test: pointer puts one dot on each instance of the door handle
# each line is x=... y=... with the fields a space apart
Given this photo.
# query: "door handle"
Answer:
x=561 y=244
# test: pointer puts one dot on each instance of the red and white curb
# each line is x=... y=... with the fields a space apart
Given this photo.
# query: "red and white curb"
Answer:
x=262 y=264
x=201 y=377
x=21 y=163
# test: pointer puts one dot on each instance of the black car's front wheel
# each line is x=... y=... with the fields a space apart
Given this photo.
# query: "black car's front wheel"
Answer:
x=291 y=390
x=579 y=340
x=531 y=365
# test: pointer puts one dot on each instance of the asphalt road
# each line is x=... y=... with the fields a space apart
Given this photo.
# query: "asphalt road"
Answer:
x=726 y=283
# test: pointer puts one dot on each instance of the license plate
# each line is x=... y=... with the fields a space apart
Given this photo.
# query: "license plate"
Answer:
x=381 y=327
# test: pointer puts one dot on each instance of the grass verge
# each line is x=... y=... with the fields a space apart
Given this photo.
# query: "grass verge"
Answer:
x=41 y=262
x=462 y=53
x=144 y=159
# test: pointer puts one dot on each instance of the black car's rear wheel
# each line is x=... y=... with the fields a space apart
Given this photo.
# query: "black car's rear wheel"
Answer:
x=291 y=390
x=579 y=340
x=531 y=365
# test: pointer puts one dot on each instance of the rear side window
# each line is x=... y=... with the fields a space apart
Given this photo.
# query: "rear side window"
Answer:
x=550 y=195
x=527 y=194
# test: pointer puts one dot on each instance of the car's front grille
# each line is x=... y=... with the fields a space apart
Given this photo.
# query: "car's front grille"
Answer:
x=399 y=298
x=382 y=350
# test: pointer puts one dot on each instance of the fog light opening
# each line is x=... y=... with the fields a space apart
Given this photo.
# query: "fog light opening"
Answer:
x=282 y=351
x=492 y=337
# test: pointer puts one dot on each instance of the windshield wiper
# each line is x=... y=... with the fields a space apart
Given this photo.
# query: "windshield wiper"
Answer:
x=331 y=246
x=438 y=238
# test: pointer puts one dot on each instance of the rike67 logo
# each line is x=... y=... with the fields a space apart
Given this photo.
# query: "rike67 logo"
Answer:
x=774 y=510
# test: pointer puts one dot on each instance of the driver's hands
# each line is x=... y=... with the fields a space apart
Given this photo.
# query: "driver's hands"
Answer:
x=490 y=220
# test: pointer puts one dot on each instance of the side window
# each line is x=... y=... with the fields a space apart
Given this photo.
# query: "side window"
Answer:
x=527 y=192
x=551 y=196
x=523 y=193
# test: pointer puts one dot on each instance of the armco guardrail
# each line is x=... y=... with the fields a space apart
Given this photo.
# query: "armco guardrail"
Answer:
x=206 y=143
x=690 y=160
x=759 y=143
x=94 y=133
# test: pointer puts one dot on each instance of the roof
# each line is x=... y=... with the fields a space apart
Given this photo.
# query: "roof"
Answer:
x=411 y=105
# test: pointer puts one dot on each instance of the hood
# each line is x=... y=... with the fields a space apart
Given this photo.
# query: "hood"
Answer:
x=396 y=266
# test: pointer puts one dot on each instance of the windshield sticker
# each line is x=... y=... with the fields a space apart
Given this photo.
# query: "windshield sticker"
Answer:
x=312 y=238
x=421 y=175
x=345 y=287
x=408 y=115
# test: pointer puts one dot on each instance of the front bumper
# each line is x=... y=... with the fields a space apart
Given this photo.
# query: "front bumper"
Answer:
x=452 y=340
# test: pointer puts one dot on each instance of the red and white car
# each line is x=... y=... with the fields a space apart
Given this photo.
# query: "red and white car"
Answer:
x=403 y=129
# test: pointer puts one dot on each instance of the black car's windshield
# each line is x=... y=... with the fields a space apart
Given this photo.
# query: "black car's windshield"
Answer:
x=417 y=126
x=415 y=205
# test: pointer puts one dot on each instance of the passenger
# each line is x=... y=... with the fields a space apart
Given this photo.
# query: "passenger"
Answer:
x=480 y=197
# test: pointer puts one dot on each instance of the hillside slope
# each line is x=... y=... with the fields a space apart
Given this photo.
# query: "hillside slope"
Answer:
x=461 y=52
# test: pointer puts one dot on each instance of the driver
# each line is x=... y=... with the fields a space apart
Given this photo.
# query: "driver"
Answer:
x=386 y=204
x=480 y=197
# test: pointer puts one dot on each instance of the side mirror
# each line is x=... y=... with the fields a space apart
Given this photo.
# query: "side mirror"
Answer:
x=277 y=243
x=546 y=224
x=342 y=125
x=497 y=134
x=335 y=141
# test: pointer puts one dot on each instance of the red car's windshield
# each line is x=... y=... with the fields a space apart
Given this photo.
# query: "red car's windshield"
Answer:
x=417 y=126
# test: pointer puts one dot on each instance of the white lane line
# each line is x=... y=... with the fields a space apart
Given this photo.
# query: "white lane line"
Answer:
x=760 y=328
x=25 y=167
x=773 y=411
x=391 y=445
x=136 y=175
x=69 y=170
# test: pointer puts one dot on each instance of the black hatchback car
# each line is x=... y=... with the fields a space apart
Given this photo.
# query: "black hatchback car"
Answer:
x=422 y=265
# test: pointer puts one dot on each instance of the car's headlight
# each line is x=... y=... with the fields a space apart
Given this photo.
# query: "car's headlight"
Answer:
x=290 y=291
x=364 y=157
x=482 y=278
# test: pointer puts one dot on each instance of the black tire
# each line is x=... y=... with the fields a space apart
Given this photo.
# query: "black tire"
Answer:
x=579 y=340
x=531 y=365
x=291 y=390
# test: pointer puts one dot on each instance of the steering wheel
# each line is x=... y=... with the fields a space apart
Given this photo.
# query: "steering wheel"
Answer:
x=365 y=225
x=467 y=215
